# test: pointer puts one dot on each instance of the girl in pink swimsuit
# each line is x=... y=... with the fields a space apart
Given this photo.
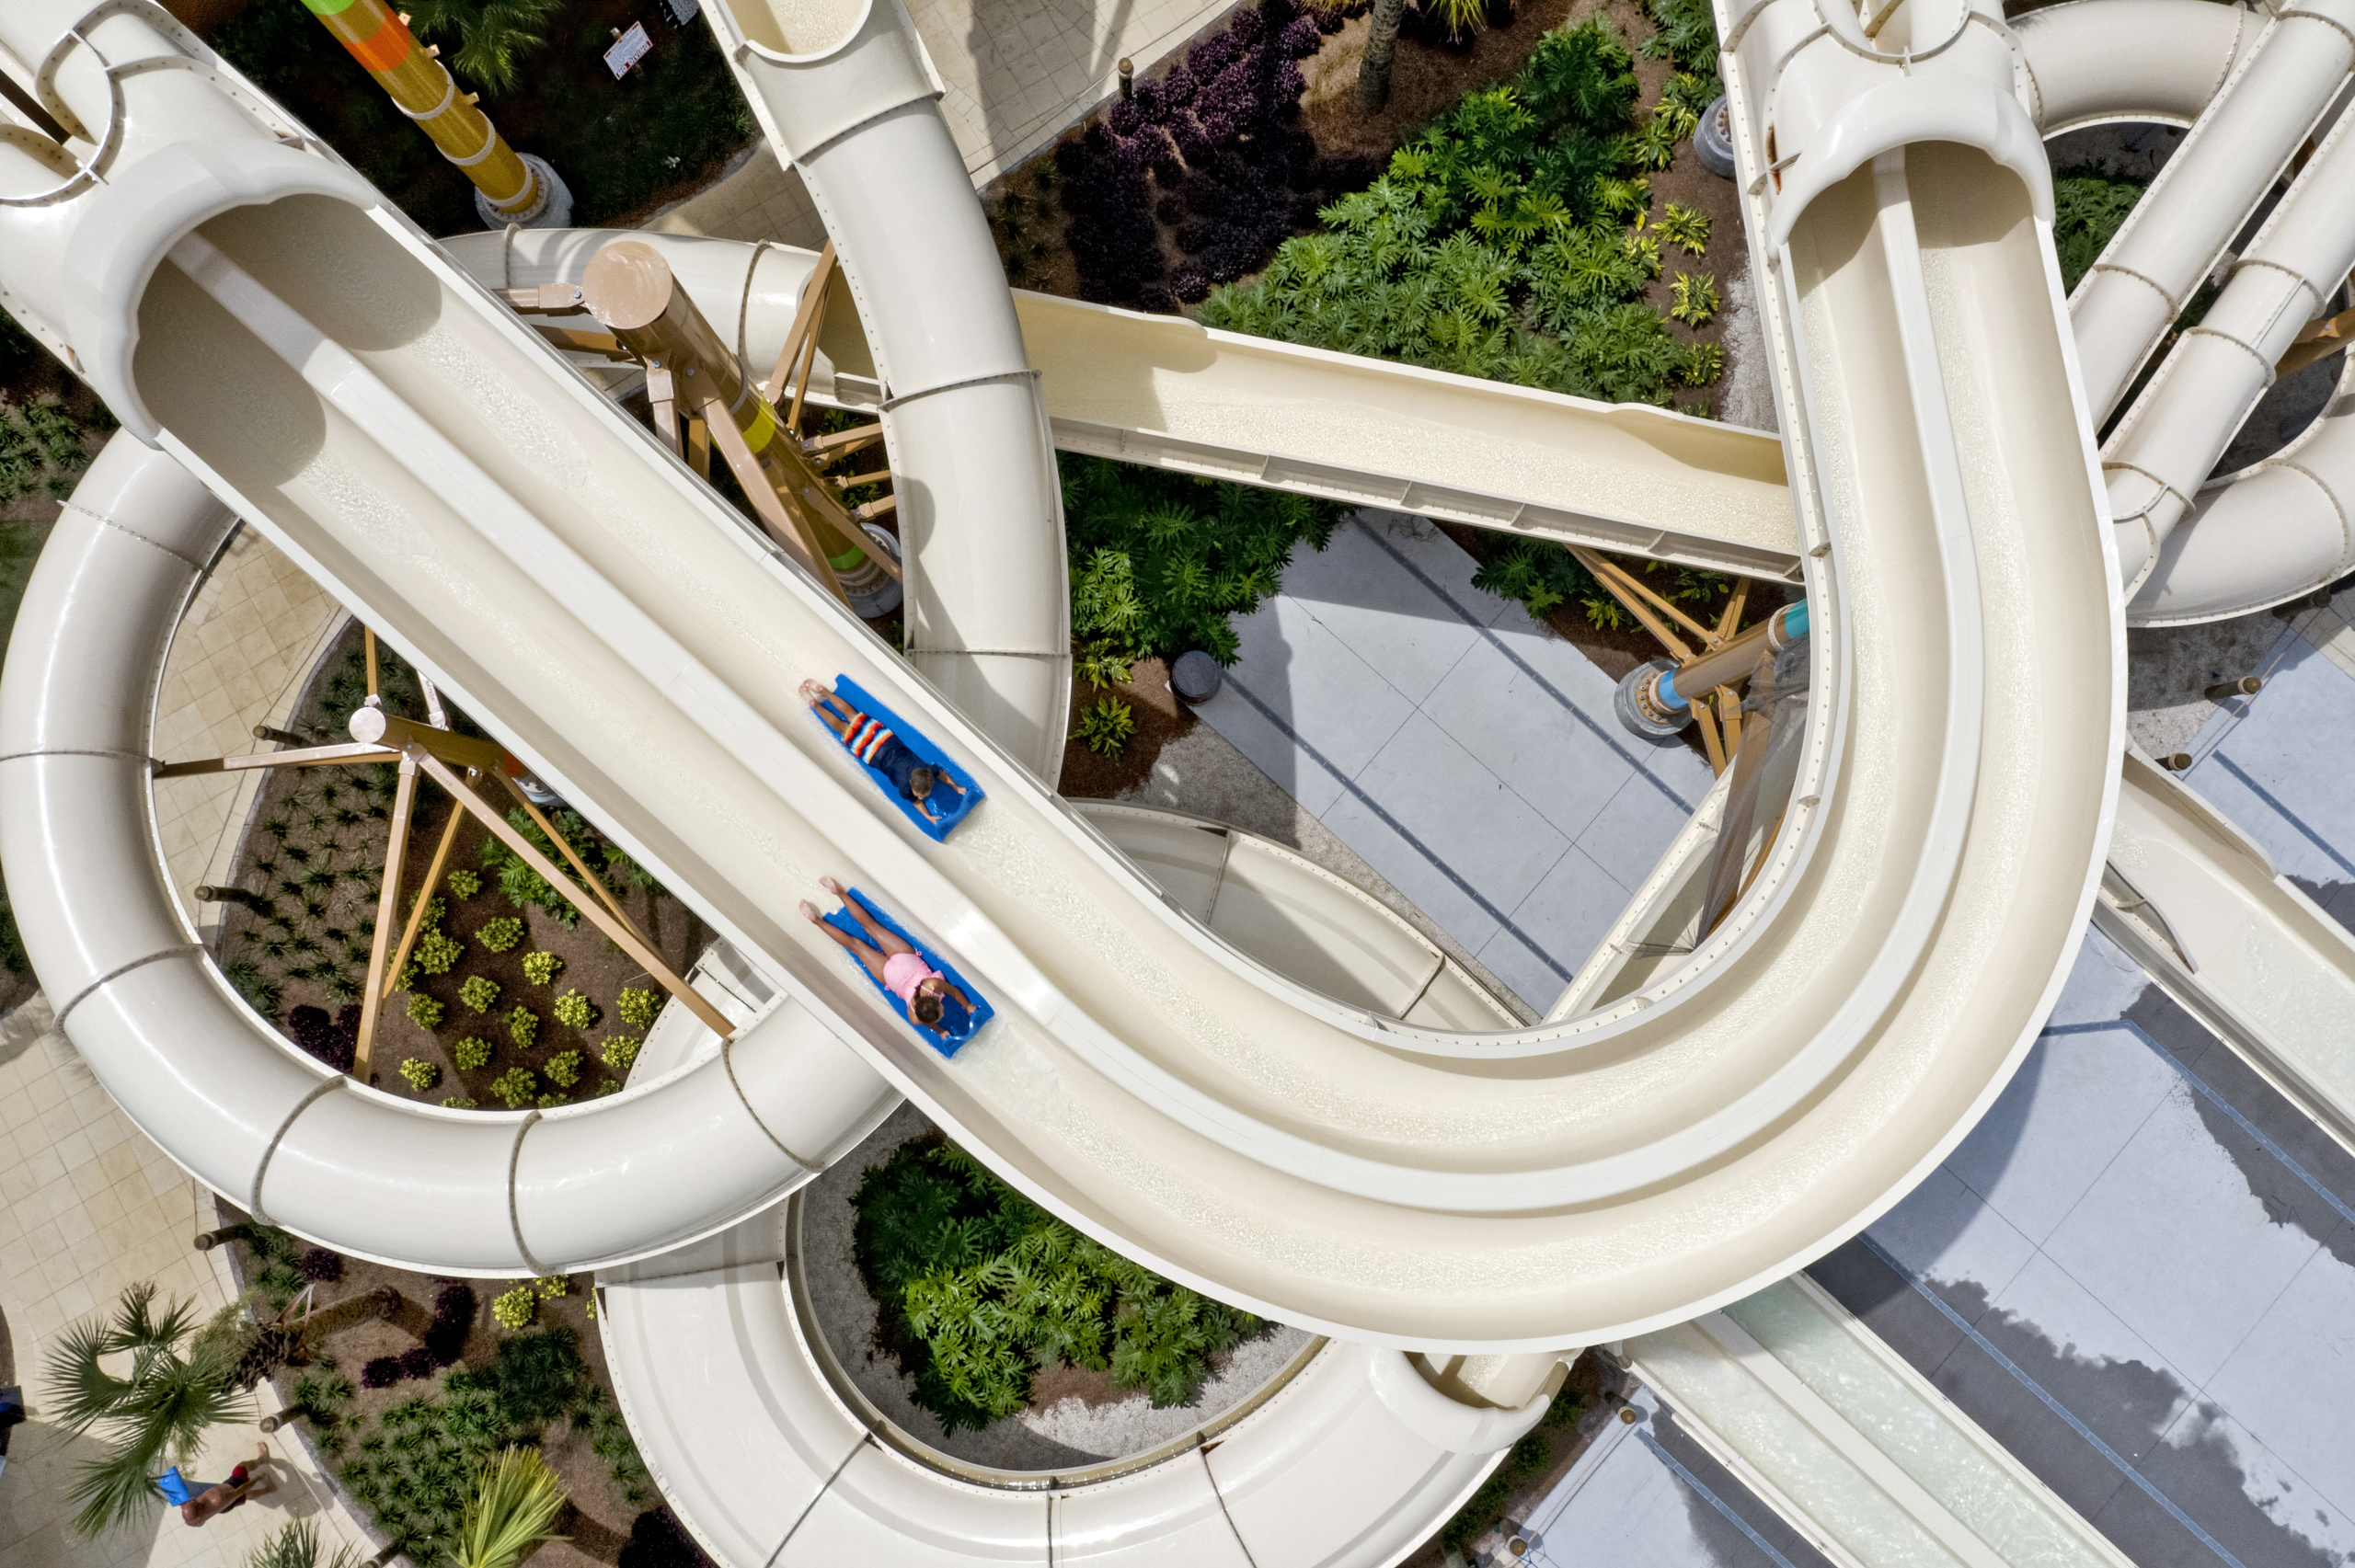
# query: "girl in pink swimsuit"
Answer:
x=900 y=968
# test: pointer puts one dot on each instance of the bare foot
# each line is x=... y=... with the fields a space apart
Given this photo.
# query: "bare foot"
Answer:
x=261 y=1454
x=812 y=693
x=831 y=885
x=810 y=912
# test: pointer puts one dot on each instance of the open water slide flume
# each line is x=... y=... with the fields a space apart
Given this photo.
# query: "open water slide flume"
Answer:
x=250 y=307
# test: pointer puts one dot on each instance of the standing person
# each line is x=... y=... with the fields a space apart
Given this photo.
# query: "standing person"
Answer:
x=932 y=1002
x=874 y=744
x=230 y=1493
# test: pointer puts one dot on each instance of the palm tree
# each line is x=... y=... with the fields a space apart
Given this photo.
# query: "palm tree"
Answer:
x=492 y=34
x=513 y=1509
x=153 y=1418
x=1373 y=70
x=297 y=1546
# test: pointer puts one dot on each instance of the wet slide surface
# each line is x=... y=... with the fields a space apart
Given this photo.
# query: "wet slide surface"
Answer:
x=2135 y=1274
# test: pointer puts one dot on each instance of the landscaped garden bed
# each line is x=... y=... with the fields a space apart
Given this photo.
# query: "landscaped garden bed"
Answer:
x=1546 y=223
x=510 y=999
x=993 y=1333
x=624 y=148
x=404 y=1409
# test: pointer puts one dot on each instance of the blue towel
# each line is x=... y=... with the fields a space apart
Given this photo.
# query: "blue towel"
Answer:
x=842 y=919
x=956 y=808
x=174 y=1490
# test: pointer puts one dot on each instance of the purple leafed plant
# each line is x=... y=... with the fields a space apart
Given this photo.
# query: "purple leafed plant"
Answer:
x=380 y=1373
x=1209 y=149
x=418 y=1363
x=454 y=1318
x=322 y=1265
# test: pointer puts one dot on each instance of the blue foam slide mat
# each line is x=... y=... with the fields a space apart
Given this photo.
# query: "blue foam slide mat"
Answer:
x=850 y=691
x=983 y=1012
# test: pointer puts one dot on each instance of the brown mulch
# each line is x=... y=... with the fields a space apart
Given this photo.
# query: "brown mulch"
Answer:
x=1427 y=77
x=593 y=964
x=1161 y=718
x=600 y=1522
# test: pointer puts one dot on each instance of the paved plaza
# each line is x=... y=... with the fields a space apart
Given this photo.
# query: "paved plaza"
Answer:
x=1467 y=753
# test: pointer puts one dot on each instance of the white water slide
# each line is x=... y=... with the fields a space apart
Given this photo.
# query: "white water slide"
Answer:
x=251 y=306
x=328 y=372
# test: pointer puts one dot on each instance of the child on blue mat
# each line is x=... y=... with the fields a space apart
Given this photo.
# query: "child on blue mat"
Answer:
x=874 y=744
x=933 y=1003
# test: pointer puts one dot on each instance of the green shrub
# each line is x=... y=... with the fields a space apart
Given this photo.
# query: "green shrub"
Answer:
x=463 y=884
x=516 y=1088
x=1523 y=1462
x=2089 y=206
x=525 y=886
x=420 y=1074
x=523 y=1026
x=979 y=1288
x=553 y=1098
x=637 y=1005
x=1495 y=245
x=1160 y=561
x=1107 y=727
x=459 y=1102
x=516 y=1308
x=542 y=968
x=536 y=1377
x=472 y=1052
x=1696 y=294
x=437 y=953
x=500 y=933
x=479 y=993
x=619 y=1051
x=1687 y=227
x=1688 y=35
x=414 y=1470
x=575 y=1011
x=1538 y=572
x=40 y=451
x=563 y=1068
x=424 y=1011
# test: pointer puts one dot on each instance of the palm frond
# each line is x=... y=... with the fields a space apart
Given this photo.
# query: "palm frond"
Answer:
x=514 y=1507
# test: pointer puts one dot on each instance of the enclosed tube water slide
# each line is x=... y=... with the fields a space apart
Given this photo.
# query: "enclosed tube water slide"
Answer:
x=323 y=366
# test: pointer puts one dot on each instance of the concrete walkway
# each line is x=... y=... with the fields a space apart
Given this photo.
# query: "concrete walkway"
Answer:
x=2138 y=1273
x=89 y=1205
x=1470 y=756
x=2277 y=763
x=1645 y=1495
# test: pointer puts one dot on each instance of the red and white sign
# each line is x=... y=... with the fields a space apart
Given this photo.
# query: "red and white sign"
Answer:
x=628 y=50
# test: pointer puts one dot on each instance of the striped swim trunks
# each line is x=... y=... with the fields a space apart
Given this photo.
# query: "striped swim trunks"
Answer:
x=866 y=738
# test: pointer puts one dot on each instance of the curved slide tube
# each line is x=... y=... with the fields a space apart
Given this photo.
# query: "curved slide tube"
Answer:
x=2093 y=61
x=2181 y=424
x=2206 y=193
x=846 y=93
x=1298 y=919
x=2197 y=904
x=1351 y=1462
x=2283 y=528
x=416 y=447
x=218 y=1088
x=1854 y=1448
